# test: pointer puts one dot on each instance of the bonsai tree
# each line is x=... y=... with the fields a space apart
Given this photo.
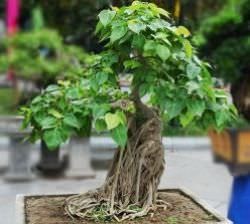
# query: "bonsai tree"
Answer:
x=39 y=57
x=167 y=82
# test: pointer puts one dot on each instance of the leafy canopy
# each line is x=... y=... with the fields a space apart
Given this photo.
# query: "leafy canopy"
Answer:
x=156 y=57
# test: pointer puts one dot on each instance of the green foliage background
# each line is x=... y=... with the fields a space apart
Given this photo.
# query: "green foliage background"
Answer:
x=224 y=40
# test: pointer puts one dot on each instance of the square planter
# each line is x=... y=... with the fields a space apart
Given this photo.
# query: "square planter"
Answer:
x=232 y=147
x=21 y=206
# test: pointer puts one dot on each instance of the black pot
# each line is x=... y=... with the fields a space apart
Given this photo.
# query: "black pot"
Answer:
x=51 y=163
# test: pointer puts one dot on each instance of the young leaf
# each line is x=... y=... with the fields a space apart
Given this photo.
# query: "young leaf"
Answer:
x=112 y=120
x=188 y=48
x=163 y=12
x=55 y=113
x=119 y=134
x=182 y=30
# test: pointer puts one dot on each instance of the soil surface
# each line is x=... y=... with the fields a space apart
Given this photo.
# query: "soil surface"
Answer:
x=49 y=210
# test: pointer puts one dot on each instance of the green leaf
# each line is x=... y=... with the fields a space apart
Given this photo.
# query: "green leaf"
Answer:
x=101 y=77
x=186 y=118
x=52 y=138
x=99 y=110
x=188 y=48
x=136 y=26
x=48 y=123
x=106 y=16
x=162 y=51
x=192 y=86
x=37 y=99
x=150 y=45
x=112 y=120
x=119 y=134
x=182 y=30
x=157 y=24
x=163 y=12
x=158 y=10
x=100 y=125
x=55 y=113
x=138 y=42
x=71 y=121
x=221 y=117
x=174 y=108
x=98 y=27
x=122 y=117
x=118 y=32
x=73 y=93
x=196 y=107
x=220 y=94
x=52 y=88
x=131 y=64
x=143 y=89
x=193 y=70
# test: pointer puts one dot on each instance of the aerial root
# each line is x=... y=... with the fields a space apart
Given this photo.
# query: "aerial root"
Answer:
x=130 y=189
x=97 y=208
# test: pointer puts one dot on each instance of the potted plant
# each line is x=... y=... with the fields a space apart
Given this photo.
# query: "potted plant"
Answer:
x=38 y=58
x=167 y=81
x=224 y=41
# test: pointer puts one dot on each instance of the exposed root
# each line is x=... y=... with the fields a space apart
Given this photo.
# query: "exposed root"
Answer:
x=100 y=210
x=130 y=189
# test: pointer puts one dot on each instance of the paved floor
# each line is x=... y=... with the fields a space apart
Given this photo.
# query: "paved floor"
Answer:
x=192 y=169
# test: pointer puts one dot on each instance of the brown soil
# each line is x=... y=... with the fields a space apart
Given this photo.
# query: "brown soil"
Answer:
x=49 y=210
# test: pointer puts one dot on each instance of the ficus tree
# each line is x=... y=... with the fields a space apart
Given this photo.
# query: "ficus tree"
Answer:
x=167 y=82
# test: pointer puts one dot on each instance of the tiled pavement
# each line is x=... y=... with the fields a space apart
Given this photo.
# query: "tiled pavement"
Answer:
x=193 y=169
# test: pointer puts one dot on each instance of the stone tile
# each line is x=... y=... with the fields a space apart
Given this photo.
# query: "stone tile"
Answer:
x=223 y=208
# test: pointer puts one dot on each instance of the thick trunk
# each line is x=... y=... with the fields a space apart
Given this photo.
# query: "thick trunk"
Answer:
x=135 y=173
